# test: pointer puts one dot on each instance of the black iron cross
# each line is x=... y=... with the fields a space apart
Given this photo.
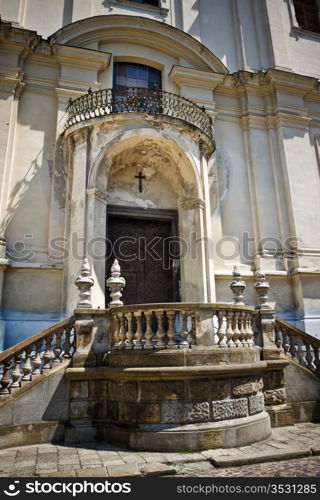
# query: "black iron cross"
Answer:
x=140 y=177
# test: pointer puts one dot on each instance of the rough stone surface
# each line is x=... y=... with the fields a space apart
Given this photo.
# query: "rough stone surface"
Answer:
x=185 y=413
x=132 y=413
x=79 y=390
x=246 y=386
x=227 y=410
x=126 y=391
x=275 y=397
x=208 y=389
x=163 y=391
x=256 y=404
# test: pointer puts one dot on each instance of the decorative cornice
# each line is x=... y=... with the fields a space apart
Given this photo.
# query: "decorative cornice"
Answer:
x=98 y=194
x=192 y=203
x=181 y=75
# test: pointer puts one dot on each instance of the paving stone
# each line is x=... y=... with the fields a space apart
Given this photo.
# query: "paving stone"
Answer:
x=69 y=459
x=90 y=465
x=22 y=464
x=154 y=458
x=123 y=470
x=68 y=466
x=60 y=473
x=192 y=457
x=157 y=469
x=92 y=472
x=106 y=463
x=108 y=455
x=263 y=456
x=47 y=450
x=133 y=459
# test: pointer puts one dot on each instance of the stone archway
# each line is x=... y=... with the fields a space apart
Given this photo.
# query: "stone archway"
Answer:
x=171 y=182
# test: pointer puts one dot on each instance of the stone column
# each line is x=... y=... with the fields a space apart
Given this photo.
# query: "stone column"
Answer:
x=76 y=230
x=3 y=265
x=193 y=266
x=211 y=289
x=96 y=208
x=273 y=378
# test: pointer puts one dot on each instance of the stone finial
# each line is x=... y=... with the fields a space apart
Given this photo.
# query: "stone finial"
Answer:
x=262 y=287
x=84 y=282
x=116 y=283
x=237 y=286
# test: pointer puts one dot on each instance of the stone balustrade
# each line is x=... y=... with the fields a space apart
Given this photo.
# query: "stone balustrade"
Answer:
x=180 y=325
x=34 y=356
x=298 y=345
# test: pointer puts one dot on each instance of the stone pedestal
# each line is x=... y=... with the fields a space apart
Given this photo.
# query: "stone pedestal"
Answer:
x=179 y=400
x=273 y=378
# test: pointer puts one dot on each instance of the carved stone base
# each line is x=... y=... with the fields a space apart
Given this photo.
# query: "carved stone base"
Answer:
x=280 y=415
x=227 y=434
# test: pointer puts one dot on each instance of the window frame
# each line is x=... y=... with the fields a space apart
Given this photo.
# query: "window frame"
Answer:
x=138 y=64
x=296 y=28
x=162 y=8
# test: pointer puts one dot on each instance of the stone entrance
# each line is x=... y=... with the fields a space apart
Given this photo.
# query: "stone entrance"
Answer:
x=144 y=243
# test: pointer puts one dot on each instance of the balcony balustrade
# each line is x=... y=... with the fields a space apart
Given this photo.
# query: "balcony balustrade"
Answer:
x=137 y=100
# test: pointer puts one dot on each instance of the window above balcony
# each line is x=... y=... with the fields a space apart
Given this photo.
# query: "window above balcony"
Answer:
x=135 y=75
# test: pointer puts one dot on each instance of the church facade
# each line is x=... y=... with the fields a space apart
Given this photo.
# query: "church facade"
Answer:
x=180 y=137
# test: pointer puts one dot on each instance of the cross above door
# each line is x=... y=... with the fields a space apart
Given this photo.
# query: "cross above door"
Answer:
x=140 y=177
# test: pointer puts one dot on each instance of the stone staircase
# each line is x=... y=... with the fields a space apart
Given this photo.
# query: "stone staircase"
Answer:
x=159 y=368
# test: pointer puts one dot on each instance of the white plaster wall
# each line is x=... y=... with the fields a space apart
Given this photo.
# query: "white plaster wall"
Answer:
x=300 y=53
x=235 y=30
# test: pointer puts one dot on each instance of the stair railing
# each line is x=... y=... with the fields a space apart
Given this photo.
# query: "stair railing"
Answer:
x=298 y=345
x=36 y=355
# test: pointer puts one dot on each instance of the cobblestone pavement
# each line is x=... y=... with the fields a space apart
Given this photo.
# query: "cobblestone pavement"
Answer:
x=302 y=467
x=287 y=445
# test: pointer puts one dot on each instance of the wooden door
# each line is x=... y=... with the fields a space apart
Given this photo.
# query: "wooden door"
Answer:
x=142 y=249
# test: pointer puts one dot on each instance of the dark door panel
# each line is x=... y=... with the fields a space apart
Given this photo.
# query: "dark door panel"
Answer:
x=142 y=249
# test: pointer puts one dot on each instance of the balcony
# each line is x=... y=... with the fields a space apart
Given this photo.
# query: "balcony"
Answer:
x=138 y=100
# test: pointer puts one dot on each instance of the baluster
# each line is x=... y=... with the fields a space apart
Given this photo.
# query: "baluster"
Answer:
x=115 y=331
x=130 y=333
x=285 y=344
x=139 y=332
x=236 y=331
x=184 y=330
x=37 y=358
x=249 y=331
x=160 y=331
x=229 y=331
x=67 y=342
x=48 y=353
x=300 y=351
x=316 y=358
x=16 y=373
x=57 y=347
x=27 y=366
x=122 y=332
x=149 y=332
x=309 y=356
x=6 y=378
x=277 y=338
x=193 y=332
x=221 y=329
x=171 y=333
x=293 y=351
x=243 y=336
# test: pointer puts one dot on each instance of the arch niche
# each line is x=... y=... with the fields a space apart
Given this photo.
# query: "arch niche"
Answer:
x=171 y=183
